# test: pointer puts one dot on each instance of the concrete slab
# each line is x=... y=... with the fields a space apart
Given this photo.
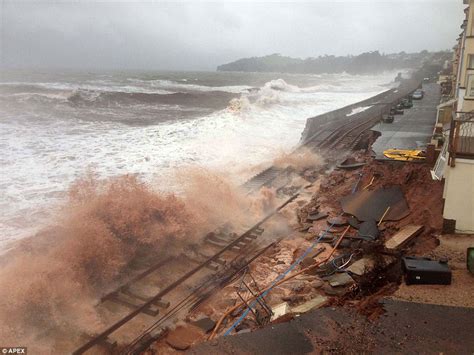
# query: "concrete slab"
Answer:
x=280 y=310
x=414 y=128
x=206 y=324
x=316 y=302
x=341 y=279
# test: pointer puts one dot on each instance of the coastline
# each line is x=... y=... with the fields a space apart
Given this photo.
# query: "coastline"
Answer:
x=313 y=186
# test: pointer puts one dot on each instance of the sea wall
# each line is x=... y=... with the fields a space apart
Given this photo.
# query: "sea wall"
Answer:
x=379 y=103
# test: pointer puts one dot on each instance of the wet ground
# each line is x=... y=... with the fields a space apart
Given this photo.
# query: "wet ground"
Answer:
x=405 y=327
x=414 y=128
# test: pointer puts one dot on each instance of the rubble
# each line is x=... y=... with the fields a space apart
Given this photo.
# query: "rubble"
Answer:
x=337 y=221
x=368 y=230
x=309 y=259
x=183 y=337
x=280 y=310
x=369 y=205
x=334 y=291
x=361 y=266
x=316 y=216
x=316 y=302
x=341 y=279
x=350 y=163
x=206 y=324
x=362 y=275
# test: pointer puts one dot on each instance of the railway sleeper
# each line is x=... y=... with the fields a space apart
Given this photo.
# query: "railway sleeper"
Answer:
x=162 y=303
x=109 y=344
x=130 y=302
x=205 y=255
x=250 y=238
x=212 y=266
x=215 y=243
x=220 y=261
x=197 y=259
x=126 y=290
x=218 y=236
x=159 y=303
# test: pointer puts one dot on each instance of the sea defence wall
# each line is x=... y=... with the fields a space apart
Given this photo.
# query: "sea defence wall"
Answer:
x=379 y=105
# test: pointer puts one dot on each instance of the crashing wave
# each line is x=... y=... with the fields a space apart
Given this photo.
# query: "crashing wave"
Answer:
x=35 y=97
x=281 y=85
x=83 y=97
x=271 y=93
x=183 y=86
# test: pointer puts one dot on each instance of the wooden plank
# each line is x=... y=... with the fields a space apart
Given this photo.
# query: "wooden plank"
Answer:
x=403 y=236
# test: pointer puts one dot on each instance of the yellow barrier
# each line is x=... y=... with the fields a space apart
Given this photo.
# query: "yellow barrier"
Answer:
x=404 y=154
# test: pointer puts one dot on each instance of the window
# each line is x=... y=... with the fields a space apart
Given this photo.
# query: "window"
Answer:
x=472 y=26
x=470 y=61
x=470 y=86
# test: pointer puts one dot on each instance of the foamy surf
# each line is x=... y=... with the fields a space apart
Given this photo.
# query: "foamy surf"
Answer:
x=54 y=130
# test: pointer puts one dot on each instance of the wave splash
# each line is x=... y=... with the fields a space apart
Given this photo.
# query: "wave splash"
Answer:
x=50 y=283
x=274 y=92
x=54 y=279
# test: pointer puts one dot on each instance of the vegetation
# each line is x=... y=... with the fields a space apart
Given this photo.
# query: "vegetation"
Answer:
x=368 y=62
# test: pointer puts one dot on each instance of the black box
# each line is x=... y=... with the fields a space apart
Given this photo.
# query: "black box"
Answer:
x=424 y=271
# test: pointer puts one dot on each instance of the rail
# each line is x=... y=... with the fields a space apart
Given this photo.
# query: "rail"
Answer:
x=102 y=337
x=461 y=137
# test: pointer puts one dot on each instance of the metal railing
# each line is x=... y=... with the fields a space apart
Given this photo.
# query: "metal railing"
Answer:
x=461 y=137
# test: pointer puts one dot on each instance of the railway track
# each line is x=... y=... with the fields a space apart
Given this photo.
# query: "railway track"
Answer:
x=339 y=135
x=230 y=252
x=347 y=135
x=227 y=255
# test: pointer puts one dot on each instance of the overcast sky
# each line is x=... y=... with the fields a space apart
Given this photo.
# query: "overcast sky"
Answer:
x=201 y=35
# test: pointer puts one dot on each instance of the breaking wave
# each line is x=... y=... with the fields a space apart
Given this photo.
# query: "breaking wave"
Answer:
x=99 y=98
x=273 y=92
x=58 y=124
x=185 y=85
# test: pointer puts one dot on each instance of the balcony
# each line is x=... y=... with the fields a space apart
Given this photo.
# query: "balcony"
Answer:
x=461 y=137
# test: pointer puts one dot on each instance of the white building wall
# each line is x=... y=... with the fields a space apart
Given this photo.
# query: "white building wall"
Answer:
x=459 y=195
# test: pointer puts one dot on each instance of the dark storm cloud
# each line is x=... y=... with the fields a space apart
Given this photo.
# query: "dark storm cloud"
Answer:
x=201 y=35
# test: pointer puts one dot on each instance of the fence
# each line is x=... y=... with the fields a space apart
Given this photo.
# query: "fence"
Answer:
x=461 y=137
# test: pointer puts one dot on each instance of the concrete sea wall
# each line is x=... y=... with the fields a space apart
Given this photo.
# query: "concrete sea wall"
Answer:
x=380 y=104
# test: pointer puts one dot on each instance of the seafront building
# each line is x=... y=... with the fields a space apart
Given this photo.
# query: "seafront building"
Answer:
x=455 y=121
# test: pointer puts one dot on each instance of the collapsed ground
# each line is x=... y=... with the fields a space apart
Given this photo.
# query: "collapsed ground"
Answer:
x=375 y=275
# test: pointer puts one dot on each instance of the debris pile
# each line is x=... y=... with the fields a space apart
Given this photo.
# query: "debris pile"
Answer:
x=377 y=206
x=353 y=232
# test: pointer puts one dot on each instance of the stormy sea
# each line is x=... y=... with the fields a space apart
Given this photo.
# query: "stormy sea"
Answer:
x=55 y=127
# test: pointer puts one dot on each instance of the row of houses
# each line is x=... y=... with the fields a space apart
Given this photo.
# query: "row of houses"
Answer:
x=455 y=131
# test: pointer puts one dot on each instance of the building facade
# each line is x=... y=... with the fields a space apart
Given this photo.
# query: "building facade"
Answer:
x=455 y=163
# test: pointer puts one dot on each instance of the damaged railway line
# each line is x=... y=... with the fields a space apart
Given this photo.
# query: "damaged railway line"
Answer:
x=223 y=254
